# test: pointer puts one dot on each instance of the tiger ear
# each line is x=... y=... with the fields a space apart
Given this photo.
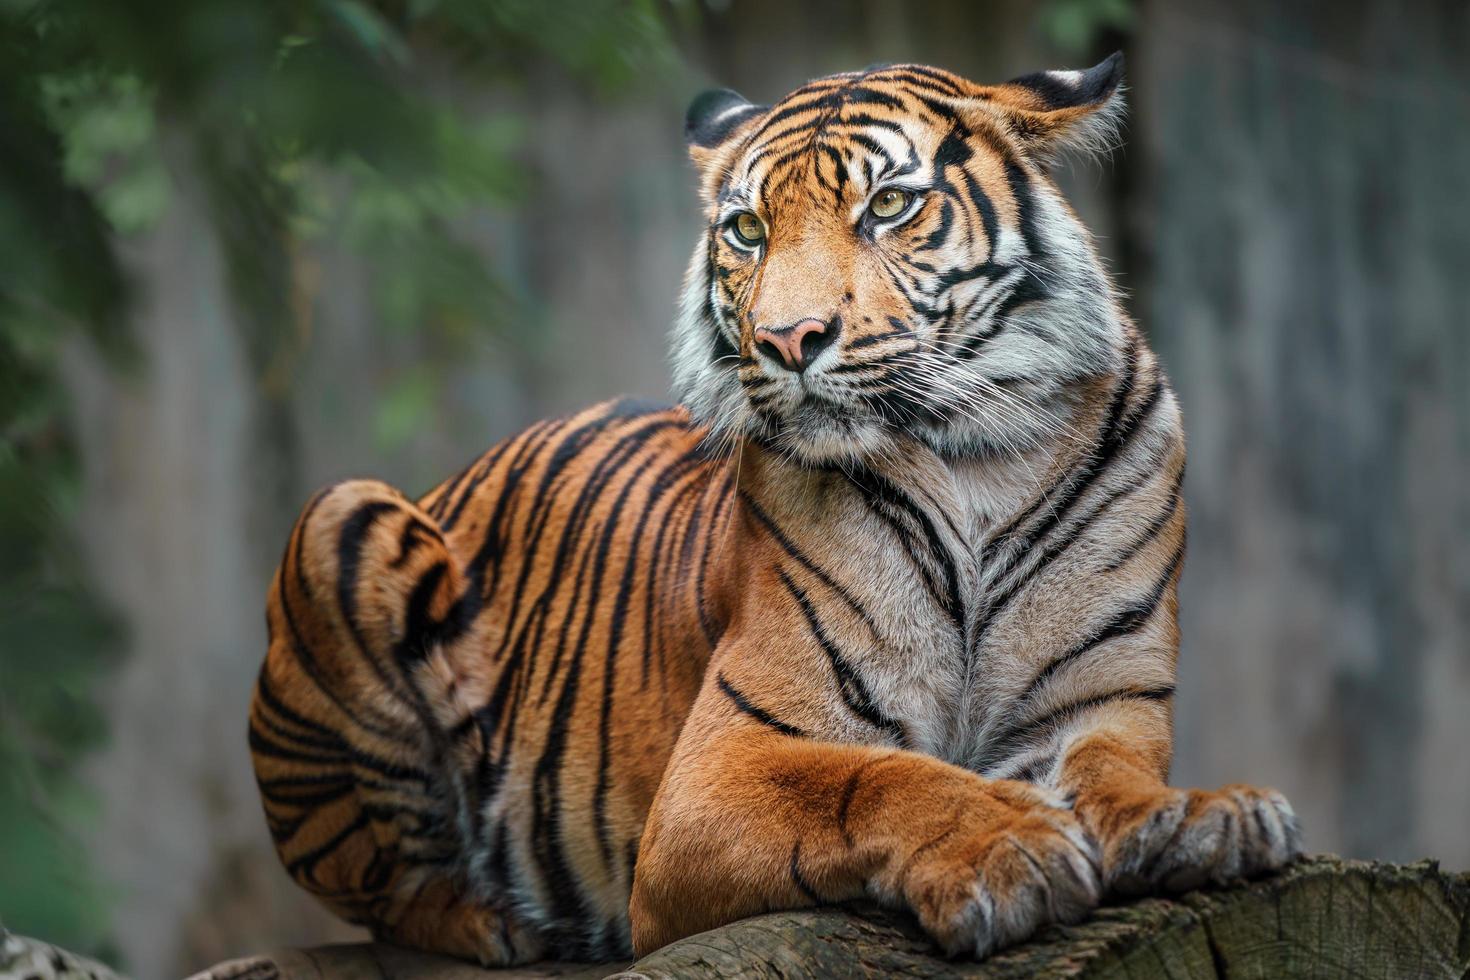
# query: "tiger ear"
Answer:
x=713 y=126
x=1050 y=112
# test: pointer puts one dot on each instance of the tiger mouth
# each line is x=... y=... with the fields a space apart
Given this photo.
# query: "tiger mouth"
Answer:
x=828 y=422
x=815 y=428
x=814 y=404
x=816 y=413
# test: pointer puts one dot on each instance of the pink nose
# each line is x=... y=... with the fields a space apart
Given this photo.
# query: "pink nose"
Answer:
x=794 y=346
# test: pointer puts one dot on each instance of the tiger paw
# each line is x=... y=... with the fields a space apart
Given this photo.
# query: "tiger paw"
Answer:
x=976 y=892
x=1175 y=840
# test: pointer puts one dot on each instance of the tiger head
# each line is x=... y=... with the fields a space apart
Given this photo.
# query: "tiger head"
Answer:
x=886 y=257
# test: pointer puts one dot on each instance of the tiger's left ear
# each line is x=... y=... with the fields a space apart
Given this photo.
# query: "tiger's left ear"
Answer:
x=713 y=127
x=1050 y=112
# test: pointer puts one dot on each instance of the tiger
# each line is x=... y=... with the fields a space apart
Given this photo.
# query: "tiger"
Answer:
x=883 y=609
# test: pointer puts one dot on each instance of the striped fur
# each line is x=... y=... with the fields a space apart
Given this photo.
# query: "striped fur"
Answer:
x=901 y=625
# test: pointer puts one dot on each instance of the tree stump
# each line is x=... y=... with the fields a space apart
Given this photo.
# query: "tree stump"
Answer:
x=1322 y=918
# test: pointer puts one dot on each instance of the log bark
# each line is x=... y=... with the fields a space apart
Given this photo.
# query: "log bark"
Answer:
x=31 y=959
x=1324 y=917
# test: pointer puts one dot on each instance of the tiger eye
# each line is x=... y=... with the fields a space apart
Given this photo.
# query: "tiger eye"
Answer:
x=889 y=203
x=749 y=228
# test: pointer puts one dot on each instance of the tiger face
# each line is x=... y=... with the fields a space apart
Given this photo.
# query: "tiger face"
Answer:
x=885 y=257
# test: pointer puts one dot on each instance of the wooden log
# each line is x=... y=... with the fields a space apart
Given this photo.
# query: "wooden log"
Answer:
x=30 y=959
x=1323 y=918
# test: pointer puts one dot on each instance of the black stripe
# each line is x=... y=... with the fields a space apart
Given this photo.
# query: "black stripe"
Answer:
x=568 y=908
x=302 y=653
x=827 y=109
x=324 y=743
x=349 y=557
x=883 y=498
x=327 y=791
x=331 y=777
x=522 y=611
x=446 y=491
x=796 y=554
x=655 y=564
x=415 y=534
x=571 y=544
x=1127 y=620
x=897 y=328
x=1155 y=527
x=802 y=885
x=487 y=464
x=305 y=865
x=268 y=697
x=616 y=623
x=1002 y=595
x=839 y=171
x=938 y=78
x=486 y=560
x=390 y=770
x=855 y=693
x=419 y=628
x=1032 y=770
x=1120 y=431
x=262 y=745
x=685 y=571
x=925 y=85
x=844 y=803
x=356 y=757
x=1019 y=182
x=743 y=705
x=1022 y=735
x=986 y=208
x=940 y=235
x=282 y=829
x=1073 y=483
x=873 y=147
x=1028 y=288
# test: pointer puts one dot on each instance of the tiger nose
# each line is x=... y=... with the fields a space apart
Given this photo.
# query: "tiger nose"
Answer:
x=796 y=346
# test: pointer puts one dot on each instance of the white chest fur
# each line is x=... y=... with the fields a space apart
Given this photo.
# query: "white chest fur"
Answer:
x=907 y=541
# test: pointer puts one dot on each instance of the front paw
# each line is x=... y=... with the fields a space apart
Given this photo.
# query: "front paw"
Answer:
x=979 y=891
x=1175 y=840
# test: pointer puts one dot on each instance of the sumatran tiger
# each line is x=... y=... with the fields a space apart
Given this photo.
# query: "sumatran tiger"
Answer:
x=884 y=609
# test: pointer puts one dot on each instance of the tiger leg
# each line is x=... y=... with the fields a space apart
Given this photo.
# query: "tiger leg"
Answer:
x=754 y=817
x=1156 y=838
x=368 y=794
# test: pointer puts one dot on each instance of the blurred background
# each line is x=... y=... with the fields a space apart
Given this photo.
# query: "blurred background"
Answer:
x=250 y=247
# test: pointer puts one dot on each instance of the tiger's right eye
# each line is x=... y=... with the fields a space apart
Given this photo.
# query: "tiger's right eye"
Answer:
x=890 y=203
x=748 y=228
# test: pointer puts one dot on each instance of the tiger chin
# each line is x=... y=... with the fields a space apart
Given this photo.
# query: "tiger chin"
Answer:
x=884 y=609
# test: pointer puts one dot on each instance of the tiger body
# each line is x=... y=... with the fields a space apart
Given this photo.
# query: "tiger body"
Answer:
x=888 y=610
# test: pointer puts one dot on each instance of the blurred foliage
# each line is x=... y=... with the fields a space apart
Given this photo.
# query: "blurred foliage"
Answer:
x=1074 y=26
x=341 y=123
